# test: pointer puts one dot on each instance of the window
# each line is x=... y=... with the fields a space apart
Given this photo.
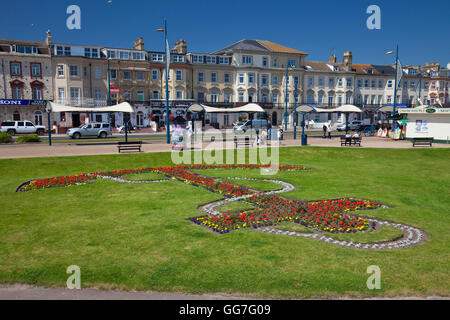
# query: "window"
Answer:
x=126 y=75
x=213 y=77
x=111 y=54
x=74 y=94
x=389 y=83
x=138 y=55
x=214 y=97
x=201 y=96
x=275 y=80
x=201 y=77
x=124 y=55
x=275 y=98
x=264 y=98
x=224 y=60
x=154 y=74
x=320 y=82
x=339 y=99
x=61 y=94
x=366 y=99
x=247 y=59
x=251 y=78
x=26 y=49
x=275 y=62
x=226 y=78
x=265 y=61
x=97 y=73
x=37 y=93
x=86 y=93
x=349 y=82
x=98 y=94
x=380 y=84
x=292 y=63
x=177 y=58
x=241 y=97
x=85 y=72
x=38 y=118
x=16 y=117
x=16 y=68
x=60 y=70
x=348 y=99
x=380 y=98
x=340 y=81
x=36 y=70
x=62 y=51
x=374 y=83
x=210 y=60
x=179 y=95
x=140 y=75
x=366 y=83
x=140 y=96
x=74 y=71
x=389 y=99
x=310 y=98
x=359 y=83
x=264 y=79
x=157 y=57
x=155 y=95
x=311 y=81
x=412 y=84
x=405 y=84
x=91 y=52
x=331 y=82
x=241 y=78
x=330 y=100
x=227 y=97
x=197 y=59
x=17 y=92
x=320 y=101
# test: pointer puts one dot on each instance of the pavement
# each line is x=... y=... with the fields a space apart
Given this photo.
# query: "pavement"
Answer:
x=84 y=147
x=27 y=292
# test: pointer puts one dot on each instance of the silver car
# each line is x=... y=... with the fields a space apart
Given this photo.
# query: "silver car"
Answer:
x=96 y=129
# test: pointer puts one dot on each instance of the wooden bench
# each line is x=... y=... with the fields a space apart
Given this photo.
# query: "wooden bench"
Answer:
x=129 y=145
x=351 y=141
x=245 y=142
x=422 y=141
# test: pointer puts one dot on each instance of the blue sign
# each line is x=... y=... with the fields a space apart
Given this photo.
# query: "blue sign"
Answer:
x=398 y=105
x=20 y=102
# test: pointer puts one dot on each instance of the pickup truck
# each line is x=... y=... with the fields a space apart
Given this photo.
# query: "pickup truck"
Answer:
x=14 y=127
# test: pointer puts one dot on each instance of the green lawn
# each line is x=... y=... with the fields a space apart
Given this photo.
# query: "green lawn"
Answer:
x=136 y=236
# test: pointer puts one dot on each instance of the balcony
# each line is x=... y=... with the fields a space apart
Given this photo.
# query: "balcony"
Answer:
x=82 y=102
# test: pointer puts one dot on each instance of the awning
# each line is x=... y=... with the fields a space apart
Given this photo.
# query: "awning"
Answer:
x=251 y=107
x=344 y=108
x=305 y=108
x=121 y=107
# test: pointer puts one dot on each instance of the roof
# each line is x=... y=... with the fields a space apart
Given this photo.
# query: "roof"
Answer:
x=6 y=43
x=377 y=69
x=318 y=65
x=259 y=46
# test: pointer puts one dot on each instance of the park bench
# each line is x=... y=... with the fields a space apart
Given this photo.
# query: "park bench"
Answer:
x=244 y=142
x=351 y=141
x=129 y=145
x=422 y=141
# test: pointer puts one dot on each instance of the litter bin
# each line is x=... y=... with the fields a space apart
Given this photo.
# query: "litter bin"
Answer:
x=304 y=139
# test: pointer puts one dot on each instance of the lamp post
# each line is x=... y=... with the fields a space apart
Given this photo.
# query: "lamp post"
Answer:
x=295 y=109
x=288 y=66
x=167 y=88
x=395 y=81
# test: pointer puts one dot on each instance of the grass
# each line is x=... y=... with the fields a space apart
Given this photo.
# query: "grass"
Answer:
x=144 y=176
x=235 y=206
x=136 y=236
x=383 y=234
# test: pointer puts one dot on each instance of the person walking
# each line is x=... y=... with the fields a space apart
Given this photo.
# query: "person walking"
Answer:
x=324 y=128
x=329 y=130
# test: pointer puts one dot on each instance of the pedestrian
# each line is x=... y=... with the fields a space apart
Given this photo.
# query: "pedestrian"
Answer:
x=263 y=137
x=324 y=128
x=306 y=124
x=329 y=130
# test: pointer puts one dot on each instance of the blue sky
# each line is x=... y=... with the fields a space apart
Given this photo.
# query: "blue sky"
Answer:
x=421 y=28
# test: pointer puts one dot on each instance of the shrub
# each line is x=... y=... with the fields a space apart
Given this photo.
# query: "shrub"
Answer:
x=32 y=138
x=5 y=137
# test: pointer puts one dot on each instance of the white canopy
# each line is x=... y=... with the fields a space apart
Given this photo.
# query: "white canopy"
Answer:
x=344 y=108
x=121 y=107
x=251 y=107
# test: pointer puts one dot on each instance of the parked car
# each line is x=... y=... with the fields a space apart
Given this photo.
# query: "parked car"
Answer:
x=95 y=129
x=250 y=124
x=352 y=125
x=13 y=127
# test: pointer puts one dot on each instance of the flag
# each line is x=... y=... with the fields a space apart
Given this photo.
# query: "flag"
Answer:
x=167 y=58
x=399 y=73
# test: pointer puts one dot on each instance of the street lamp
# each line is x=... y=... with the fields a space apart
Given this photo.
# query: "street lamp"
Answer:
x=167 y=88
x=395 y=81
x=288 y=67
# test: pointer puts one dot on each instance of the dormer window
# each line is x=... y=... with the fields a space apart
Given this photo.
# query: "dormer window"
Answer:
x=26 y=49
x=369 y=71
x=62 y=51
x=247 y=59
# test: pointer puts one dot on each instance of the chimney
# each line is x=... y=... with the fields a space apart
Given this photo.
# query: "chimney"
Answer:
x=180 y=47
x=48 y=38
x=347 y=61
x=332 y=58
x=139 y=44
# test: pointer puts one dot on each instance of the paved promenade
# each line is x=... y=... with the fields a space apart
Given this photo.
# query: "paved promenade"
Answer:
x=60 y=149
